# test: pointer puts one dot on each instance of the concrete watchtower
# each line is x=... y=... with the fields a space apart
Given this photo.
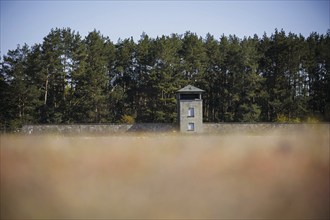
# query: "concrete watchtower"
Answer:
x=190 y=109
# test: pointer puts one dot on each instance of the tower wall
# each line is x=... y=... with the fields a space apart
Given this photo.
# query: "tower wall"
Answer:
x=186 y=121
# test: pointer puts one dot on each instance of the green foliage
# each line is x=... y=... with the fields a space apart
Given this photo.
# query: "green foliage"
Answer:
x=70 y=79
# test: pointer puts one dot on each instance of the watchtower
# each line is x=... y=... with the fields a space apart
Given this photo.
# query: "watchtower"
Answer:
x=190 y=109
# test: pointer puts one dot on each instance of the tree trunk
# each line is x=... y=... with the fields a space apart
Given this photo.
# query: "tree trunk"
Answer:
x=46 y=90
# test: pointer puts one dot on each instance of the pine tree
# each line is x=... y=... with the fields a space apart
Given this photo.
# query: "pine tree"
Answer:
x=212 y=80
x=193 y=58
x=248 y=109
x=95 y=82
x=17 y=89
x=123 y=92
x=164 y=80
x=318 y=69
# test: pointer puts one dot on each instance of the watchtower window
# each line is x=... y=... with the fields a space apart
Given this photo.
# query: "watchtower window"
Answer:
x=189 y=96
x=191 y=112
x=191 y=126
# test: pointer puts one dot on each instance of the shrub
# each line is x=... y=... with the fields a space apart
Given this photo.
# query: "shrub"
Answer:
x=284 y=119
x=312 y=120
x=127 y=119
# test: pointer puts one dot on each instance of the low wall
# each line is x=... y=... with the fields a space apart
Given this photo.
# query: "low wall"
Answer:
x=232 y=128
x=209 y=128
x=97 y=128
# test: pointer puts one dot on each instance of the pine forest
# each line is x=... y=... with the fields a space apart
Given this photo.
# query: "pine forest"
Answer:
x=70 y=79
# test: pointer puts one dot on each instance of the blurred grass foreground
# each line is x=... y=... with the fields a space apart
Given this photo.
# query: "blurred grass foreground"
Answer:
x=277 y=175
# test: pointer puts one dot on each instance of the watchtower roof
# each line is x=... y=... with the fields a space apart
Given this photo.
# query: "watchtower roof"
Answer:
x=190 y=89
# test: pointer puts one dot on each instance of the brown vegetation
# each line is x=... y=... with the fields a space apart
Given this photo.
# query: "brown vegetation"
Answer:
x=166 y=176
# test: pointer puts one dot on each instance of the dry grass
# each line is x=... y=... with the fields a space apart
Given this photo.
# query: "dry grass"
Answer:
x=166 y=176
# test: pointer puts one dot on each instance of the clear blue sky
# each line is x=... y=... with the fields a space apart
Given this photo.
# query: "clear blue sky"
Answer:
x=30 y=21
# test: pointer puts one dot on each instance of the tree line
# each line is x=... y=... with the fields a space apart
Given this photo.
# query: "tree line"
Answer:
x=71 y=79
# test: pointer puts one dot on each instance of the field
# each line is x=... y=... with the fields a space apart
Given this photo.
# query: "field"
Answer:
x=282 y=175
